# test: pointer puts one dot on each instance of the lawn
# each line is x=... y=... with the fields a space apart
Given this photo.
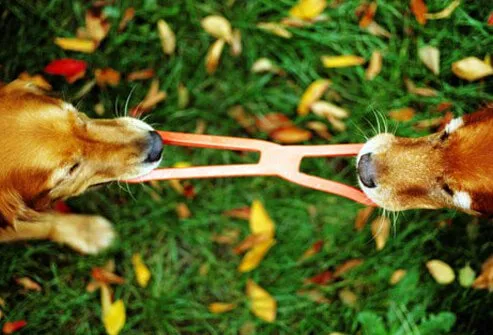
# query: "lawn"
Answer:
x=189 y=269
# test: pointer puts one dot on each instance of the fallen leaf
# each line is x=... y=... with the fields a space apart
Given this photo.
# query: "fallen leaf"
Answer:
x=347 y=266
x=440 y=271
x=213 y=56
x=348 y=297
x=471 y=68
x=107 y=76
x=245 y=120
x=262 y=304
x=377 y=30
x=368 y=14
x=320 y=129
x=380 y=229
x=431 y=123
x=466 y=276
x=362 y=217
x=221 y=307
x=337 y=124
x=141 y=75
x=485 y=279
x=252 y=258
x=295 y=22
x=28 y=284
x=490 y=19
x=104 y=276
x=430 y=56
x=183 y=211
x=314 y=295
x=444 y=13
x=327 y=110
x=342 y=61
x=142 y=272
x=11 y=327
x=114 y=318
x=218 y=26
x=444 y=106
x=128 y=16
x=153 y=97
x=313 y=250
x=37 y=80
x=167 y=37
x=397 y=276
x=106 y=298
x=200 y=127
x=71 y=69
x=260 y=221
x=275 y=28
x=235 y=43
x=308 y=9
x=76 y=44
x=242 y=213
x=375 y=65
x=272 y=121
x=183 y=96
x=97 y=27
x=250 y=241
x=313 y=93
x=402 y=114
x=422 y=91
x=322 y=278
x=229 y=236
x=265 y=65
x=290 y=135
x=419 y=9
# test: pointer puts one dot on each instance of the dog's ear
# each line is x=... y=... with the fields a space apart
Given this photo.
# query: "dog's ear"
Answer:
x=13 y=208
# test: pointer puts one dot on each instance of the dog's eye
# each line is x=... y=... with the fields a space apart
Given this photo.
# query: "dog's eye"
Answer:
x=448 y=190
x=73 y=168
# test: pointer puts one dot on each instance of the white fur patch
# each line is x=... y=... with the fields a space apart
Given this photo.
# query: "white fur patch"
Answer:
x=138 y=124
x=462 y=199
x=453 y=125
x=68 y=107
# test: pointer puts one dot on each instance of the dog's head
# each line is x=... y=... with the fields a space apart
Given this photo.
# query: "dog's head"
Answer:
x=452 y=168
x=51 y=151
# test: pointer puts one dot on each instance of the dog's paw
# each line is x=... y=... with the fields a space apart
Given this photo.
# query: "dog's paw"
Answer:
x=83 y=233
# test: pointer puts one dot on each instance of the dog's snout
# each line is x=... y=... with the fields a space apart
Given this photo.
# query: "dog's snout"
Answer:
x=367 y=171
x=155 y=150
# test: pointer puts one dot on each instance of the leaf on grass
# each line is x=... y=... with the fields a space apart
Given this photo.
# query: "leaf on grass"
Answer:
x=262 y=304
x=313 y=93
x=490 y=19
x=276 y=29
x=114 y=318
x=167 y=37
x=213 y=56
x=229 y=236
x=76 y=44
x=402 y=114
x=36 y=80
x=380 y=229
x=471 y=68
x=97 y=27
x=142 y=272
x=71 y=69
x=153 y=97
x=377 y=30
x=375 y=65
x=313 y=250
x=485 y=279
x=250 y=241
x=245 y=120
x=348 y=297
x=260 y=221
x=322 y=278
x=440 y=271
x=308 y=9
x=362 y=217
x=320 y=129
x=444 y=13
x=11 y=327
x=141 y=74
x=328 y=110
x=422 y=91
x=183 y=96
x=221 y=307
x=242 y=213
x=419 y=9
x=347 y=266
x=337 y=124
x=252 y=258
x=107 y=76
x=397 y=276
x=466 y=276
x=342 y=61
x=128 y=16
x=290 y=135
x=183 y=211
x=218 y=26
x=368 y=14
x=236 y=47
x=105 y=276
x=106 y=298
x=265 y=65
x=272 y=121
x=430 y=56
x=28 y=284
x=314 y=295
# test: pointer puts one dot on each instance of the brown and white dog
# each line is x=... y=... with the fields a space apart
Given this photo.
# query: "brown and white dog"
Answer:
x=50 y=151
x=452 y=168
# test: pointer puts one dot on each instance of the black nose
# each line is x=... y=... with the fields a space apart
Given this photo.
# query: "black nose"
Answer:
x=366 y=171
x=155 y=147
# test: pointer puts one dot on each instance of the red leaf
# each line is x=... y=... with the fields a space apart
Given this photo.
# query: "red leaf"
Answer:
x=105 y=276
x=490 y=19
x=368 y=15
x=320 y=279
x=419 y=9
x=71 y=69
x=11 y=327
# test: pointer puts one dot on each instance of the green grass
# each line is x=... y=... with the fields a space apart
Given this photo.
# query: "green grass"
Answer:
x=176 y=300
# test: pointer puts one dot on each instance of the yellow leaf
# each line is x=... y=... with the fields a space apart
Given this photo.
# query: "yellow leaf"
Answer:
x=142 y=272
x=105 y=298
x=348 y=297
x=114 y=318
x=313 y=93
x=380 y=229
x=253 y=257
x=397 y=276
x=471 y=68
x=342 y=61
x=308 y=9
x=167 y=37
x=260 y=221
x=275 y=28
x=218 y=26
x=430 y=56
x=76 y=44
x=221 y=307
x=327 y=109
x=440 y=271
x=444 y=13
x=375 y=65
x=236 y=46
x=262 y=304
x=402 y=114
x=213 y=56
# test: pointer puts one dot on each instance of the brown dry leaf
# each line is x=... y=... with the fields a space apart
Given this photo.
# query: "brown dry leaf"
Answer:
x=313 y=93
x=105 y=276
x=229 y=236
x=213 y=56
x=347 y=266
x=97 y=27
x=429 y=123
x=320 y=129
x=342 y=61
x=362 y=217
x=485 y=279
x=242 y=213
x=93 y=286
x=471 y=68
x=419 y=9
x=245 y=120
x=314 y=295
x=313 y=250
x=380 y=229
x=377 y=30
x=272 y=121
x=328 y=110
x=76 y=44
x=167 y=37
x=397 y=276
x=141 y=74
x=142 y=272
x=107 y=76
x=444 y=13
x=250 y=241
x=308 y=9
x=348 y=297
x=368 y=15
x=322 y=278
x=262 y=304
x=153 y=97
x=440 y=271
x=375 y=65
x=221 y=307
x=295 y=22
x=430 y=56
x=252 y=258
x=422 y=91
x=28 y=284
x=128 y=16
x=260 y=221
x=275 y=28
x=37 y=80
x=290 y=135
x=183 y=211
x=218 y=26
x=236 y=47
x=402 y=114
